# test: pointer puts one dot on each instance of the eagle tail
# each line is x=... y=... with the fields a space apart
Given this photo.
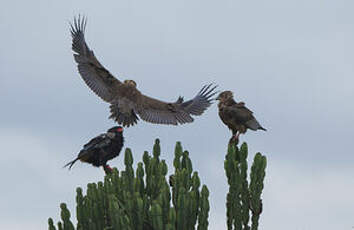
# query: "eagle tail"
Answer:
x=122 y=118
x=70 y=164
x=254 y=125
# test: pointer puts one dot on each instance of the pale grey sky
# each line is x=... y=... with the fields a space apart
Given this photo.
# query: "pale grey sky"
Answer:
x=292 y=62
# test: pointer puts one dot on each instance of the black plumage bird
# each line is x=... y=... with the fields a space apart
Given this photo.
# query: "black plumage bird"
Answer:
x=101 y=149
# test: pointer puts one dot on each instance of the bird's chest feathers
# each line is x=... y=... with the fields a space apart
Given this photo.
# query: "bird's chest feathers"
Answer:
x=225 y=115
x=222 y=114
x=117 y=143
x=127 y=99
x=129 y=92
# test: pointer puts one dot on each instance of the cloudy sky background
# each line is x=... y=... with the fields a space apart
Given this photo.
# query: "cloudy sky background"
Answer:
x=292 y=62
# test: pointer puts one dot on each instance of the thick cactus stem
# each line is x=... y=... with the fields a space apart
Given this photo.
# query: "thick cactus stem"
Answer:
x=51 y=224
x=142 y=200
x=243 y=198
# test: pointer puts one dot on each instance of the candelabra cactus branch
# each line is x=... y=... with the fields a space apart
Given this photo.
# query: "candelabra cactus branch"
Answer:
x=142 y=200
x=243 y=198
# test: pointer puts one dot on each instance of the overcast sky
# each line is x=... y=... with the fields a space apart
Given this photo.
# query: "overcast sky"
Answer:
x=292 y=62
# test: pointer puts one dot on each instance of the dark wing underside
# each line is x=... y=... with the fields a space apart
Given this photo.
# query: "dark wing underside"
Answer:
x=179 y=112
x=92 y=72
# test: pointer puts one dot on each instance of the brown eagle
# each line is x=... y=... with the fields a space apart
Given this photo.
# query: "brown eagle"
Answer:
x=236 y=115
x=127 y=102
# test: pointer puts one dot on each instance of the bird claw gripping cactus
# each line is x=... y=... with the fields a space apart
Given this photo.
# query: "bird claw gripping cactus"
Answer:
x=142 y=200
x=243 y=198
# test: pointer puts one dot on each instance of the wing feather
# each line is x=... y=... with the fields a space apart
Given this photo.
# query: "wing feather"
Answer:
x=94 y=141
x=201 y=102
x=239 y=112
x=179 y=112
x=97 y=78
x=124 y=106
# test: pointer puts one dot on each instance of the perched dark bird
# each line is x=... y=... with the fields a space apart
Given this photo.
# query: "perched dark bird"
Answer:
x=127 y=102
x=236 y=115
x=101 y=149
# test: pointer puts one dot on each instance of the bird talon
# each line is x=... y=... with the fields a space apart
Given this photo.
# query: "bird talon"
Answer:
x=234 y=139
x=107 y=169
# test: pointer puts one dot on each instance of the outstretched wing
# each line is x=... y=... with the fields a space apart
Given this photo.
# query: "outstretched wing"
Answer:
x=92 y=72
x=201 y=102
x=179 y=112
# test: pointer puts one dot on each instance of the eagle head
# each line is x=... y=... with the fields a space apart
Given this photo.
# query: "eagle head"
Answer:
x=130 y=82
x=224 y=96
x=114 y=131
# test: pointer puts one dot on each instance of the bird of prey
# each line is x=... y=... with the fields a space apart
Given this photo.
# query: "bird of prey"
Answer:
x=101 y=149
x=127 y=103
x=236 y=115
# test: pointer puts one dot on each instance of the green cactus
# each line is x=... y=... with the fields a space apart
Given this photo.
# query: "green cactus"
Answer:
x=142 y=200
x=51 y=224
x=243 y=198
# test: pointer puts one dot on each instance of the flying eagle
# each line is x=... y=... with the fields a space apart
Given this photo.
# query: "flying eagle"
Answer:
x=128 y=104
x=236 y=115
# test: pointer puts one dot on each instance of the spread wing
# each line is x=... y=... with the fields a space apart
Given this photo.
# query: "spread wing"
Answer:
x=92 y=72
x=179 y=112
x=124 y=108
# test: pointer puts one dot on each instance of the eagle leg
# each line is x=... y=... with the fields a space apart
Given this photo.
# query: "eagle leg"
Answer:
x=235 y=138
x=107 y=169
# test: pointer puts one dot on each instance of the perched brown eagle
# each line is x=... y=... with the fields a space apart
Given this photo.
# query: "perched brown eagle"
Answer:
x=127 y=102
x=236 y=115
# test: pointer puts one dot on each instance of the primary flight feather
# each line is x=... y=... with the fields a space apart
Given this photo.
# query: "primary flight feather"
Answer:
x=127 y=102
